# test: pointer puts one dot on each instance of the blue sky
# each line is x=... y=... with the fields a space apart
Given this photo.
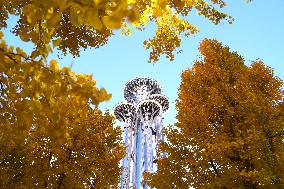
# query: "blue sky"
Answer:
x=257 y=32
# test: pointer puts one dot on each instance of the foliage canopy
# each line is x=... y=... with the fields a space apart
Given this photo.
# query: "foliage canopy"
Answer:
x=72 y=25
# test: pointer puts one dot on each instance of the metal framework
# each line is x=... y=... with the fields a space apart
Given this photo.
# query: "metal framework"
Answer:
x=142 y=115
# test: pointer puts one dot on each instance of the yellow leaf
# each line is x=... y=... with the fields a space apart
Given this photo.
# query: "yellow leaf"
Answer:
x=35 y=54
x=21 y=52
x=93 y=19
x=53 y=65
x=66 y=70
x=49 y=13
x=53 y=21
x=24 y=37
x=56 y=42
x=112 y=22
x=133 y=15
x=74 y=17
x=29 y=19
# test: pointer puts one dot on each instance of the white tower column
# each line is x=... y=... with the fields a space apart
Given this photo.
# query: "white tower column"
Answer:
x=142 y=118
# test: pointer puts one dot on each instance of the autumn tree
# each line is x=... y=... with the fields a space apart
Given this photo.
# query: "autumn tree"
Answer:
x=52 y=134
x=72 y=25
x=230 y=125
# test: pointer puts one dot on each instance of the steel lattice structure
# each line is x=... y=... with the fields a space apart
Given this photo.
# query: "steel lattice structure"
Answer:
x=142 y=115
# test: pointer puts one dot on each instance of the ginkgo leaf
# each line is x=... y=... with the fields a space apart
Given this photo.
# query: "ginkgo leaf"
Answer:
x=25 y=38
x=56 y=42
x=53 y=65
x=133 y=15
x=93 y=19
x=53 y=20
x=111 y=22
x=35 y=54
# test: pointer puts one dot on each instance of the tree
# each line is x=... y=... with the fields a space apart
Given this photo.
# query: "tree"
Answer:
x=52 y=135
x=72 y=25
x=230 y=125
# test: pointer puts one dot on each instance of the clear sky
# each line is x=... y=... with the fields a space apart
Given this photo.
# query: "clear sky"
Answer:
x=258 y=32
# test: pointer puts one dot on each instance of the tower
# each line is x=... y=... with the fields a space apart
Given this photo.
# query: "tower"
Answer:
x=142 y=116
